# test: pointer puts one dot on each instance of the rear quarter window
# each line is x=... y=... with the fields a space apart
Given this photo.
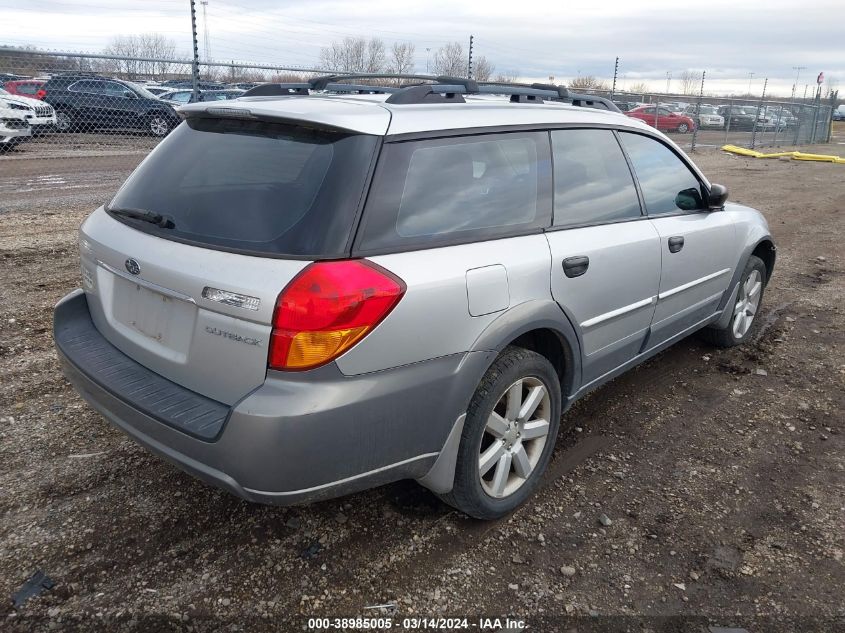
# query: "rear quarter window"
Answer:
x=435 y=192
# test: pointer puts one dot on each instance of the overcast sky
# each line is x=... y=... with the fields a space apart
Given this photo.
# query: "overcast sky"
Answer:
x=534 y=39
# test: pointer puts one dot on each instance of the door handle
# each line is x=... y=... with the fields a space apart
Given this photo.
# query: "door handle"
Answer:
x=576 y=266
x=676 y=243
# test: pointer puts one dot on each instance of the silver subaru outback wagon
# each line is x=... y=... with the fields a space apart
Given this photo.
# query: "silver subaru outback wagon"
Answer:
x=319 y=289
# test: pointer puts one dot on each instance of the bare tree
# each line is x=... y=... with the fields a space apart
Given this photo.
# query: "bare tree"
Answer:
x=482 y=69
x=402 y=58
x=376 y=58
x=507 y=76
x=354 y=55
x=151 y=46
x=639 y=88
x=587 y=82
x=449 y=60
x=688 y=81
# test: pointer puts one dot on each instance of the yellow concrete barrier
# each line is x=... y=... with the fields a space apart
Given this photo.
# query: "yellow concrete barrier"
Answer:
x=824 y=158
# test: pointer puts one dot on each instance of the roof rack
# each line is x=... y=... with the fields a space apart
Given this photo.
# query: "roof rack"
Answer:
x=434 y=89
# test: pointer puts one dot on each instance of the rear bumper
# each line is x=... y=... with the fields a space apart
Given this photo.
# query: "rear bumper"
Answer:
x=298 y=437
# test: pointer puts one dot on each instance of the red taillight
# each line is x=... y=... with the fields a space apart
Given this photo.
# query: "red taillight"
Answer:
x=328 y=308
x=41 y=93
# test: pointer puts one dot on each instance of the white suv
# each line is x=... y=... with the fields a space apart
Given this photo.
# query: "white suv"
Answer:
x=319 y=288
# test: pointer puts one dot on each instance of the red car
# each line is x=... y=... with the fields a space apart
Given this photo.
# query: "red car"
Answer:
x=26 y=88
x=664 y=119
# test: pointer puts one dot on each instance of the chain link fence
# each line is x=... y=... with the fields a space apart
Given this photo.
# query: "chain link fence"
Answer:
x=82 y=107
x=710 y=121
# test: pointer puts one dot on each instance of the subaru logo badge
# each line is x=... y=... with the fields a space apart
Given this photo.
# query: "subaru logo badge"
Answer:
x=132 y=266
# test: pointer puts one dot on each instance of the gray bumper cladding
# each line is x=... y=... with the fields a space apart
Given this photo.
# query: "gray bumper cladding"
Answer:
x=299 y=437
x=144 y=390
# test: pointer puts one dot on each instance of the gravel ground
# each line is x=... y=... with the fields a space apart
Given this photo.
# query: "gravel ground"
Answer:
x=706 y=487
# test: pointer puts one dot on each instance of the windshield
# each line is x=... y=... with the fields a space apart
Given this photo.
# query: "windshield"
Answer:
x=141 y=90
x=252 y=186
x=707 y=110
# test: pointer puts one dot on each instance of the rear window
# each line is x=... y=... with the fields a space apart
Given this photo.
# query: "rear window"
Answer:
x=433 y=192
x=252 y=186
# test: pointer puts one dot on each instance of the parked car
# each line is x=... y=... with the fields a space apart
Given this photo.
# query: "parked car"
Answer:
x=25 y=87
x=157 y=90
x=738 y=117
x=662 y=118
x=13 y=127
x=708 y=117
x=182 y=97
x=299 y=298
x=839 y=113
x=244 y=85
x=90 y=102
x=40 y=116
x=624 y=106
x=174 y=84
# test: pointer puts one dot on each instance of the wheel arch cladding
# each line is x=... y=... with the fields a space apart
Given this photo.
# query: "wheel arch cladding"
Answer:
x=540 y=326
x=766 y=251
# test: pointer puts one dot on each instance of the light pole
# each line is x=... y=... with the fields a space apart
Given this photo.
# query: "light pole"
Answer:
x=750 y=77
x=427 y=51
x=668 y=80
x=797 y=70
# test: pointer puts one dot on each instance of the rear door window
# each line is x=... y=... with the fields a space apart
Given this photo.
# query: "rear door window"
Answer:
x=593 y=183
x=253 y=186
x=441 y=191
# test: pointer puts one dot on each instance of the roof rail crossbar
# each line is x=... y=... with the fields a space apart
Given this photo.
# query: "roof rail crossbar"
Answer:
x=592 y=101
x=320 y=83
x=359 y=88
x=427 y=93
x=277 y=90
x=433 y=89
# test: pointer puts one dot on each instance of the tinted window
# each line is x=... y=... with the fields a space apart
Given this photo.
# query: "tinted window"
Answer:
x=253 y=186
x=28 y=89
x=445 y=190
x=667 y=183
x=592 y=179
x=94 y=87
x=112 y=89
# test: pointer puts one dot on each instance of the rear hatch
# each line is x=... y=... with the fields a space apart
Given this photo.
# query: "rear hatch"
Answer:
x=183 y=267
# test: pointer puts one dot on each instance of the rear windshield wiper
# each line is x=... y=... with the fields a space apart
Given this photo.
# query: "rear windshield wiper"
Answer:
x=152 y=217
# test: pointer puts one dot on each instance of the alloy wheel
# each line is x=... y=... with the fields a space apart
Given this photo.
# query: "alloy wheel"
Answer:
x=158 y=126
x=747 y=303
x=514 y=437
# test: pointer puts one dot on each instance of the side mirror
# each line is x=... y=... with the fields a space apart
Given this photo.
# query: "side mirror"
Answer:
x=689 y=199
x=129 y=94
x=718 y=196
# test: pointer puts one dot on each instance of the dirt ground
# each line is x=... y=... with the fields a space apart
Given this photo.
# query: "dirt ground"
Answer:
x=722 y=473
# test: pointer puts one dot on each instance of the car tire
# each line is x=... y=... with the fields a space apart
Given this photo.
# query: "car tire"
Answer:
x=65 y=121
x=158 y=125
x=745 y=309
x=515 y=450
x=683 y=128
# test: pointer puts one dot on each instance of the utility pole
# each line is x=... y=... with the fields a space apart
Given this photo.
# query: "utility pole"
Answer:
x=469 y=62
x=427 y=57
x=750 y=77
x=195 y=67
x=615 y=74
x=204 y=4
x=668 y=80
x=797 y=70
